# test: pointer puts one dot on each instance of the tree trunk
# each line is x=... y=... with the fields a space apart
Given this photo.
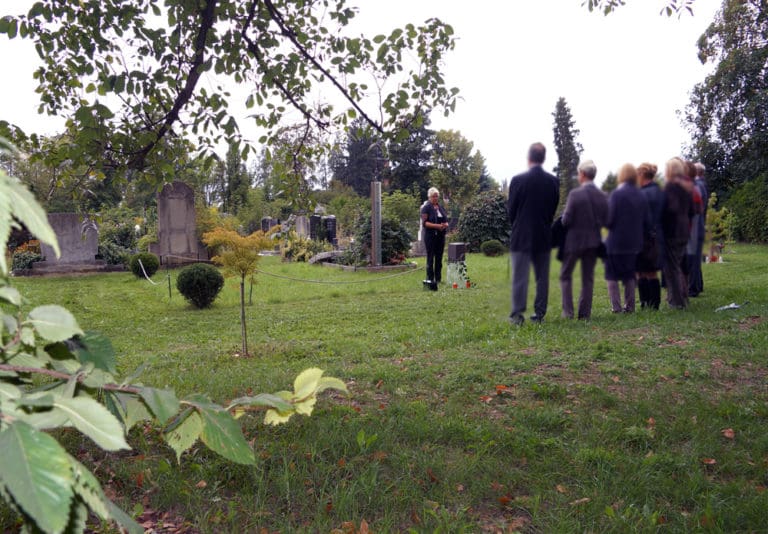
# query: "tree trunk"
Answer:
x=242 y=316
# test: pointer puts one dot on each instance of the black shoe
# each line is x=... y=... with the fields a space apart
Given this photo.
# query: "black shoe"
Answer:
x=536 y=319
x=516 y=320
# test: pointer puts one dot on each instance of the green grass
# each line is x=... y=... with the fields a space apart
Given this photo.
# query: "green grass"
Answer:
x=457 y=422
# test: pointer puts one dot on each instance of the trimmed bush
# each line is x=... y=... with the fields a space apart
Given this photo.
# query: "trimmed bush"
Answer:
x=200 y=284
x=493 y=247
x=485 y=218
x=113 y=254
x=149 y=261
x=23 y=260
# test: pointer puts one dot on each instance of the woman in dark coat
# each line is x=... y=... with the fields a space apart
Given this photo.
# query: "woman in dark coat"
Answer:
x=435 y=224
x=627 y=213
x=650 y=259
x=675 y=223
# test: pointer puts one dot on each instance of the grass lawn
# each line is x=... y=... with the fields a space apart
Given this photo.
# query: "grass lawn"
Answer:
x=457 y=421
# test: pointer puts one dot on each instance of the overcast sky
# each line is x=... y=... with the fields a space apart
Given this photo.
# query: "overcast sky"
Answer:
x=624 y=76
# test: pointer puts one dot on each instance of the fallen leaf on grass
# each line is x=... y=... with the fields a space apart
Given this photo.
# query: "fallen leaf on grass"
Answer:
x=504 y=500
x=495 y=486
x=201 y=484
x=486 y=399
x=728 y=433
x=577 y=502
x=342 y=462
x=616 y=379
x=708 y=461
x=500 y=389
x=431 y=475
x=459 y=488
x=651 y=422
x=561 y=489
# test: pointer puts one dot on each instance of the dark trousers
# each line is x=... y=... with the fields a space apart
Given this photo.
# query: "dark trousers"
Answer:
x=695 y=278
x=588 y=260
x=521 y=266
x=677 y=287
x=434 y=242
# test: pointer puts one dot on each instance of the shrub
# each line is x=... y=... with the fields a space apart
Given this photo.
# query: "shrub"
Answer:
x=395 y=243
x=484 y=219
x=492 y=247
x=24 y=259
x=200 y=284
x=113 y=254
x=300 y=248
x=749 y=206
x=149 y=261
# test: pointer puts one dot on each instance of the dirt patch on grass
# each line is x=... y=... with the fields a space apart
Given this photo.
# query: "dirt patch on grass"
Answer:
x=748 y=323
x=730 y=377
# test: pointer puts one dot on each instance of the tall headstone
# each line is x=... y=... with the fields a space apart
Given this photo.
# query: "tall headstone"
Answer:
x=177 y=242
x=78 y=239
x=302 y=225
x=329 y=226
x=314 y=226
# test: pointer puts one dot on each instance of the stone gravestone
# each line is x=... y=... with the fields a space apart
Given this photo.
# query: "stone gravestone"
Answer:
x=78 y=240
x=302 y=225
x=177 y=242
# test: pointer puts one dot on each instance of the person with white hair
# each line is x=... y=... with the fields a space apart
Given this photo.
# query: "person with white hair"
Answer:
x=434 y=220
x=585 y=213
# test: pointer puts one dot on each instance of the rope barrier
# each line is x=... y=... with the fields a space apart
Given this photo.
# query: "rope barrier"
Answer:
x=415 y=269
x=145 y=274
x=338 y=282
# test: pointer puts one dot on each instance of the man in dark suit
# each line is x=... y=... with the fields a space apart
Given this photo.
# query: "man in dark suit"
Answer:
x=586 y=211
x=533 y=198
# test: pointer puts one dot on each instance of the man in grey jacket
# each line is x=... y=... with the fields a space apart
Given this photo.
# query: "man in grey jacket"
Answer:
x=586 y=211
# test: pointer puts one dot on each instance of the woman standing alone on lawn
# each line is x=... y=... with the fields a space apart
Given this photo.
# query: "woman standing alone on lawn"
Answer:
x=435 y=221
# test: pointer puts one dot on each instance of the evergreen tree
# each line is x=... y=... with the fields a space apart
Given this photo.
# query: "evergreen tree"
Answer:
x=567 y=148
x=410 y=157
x=363 y=159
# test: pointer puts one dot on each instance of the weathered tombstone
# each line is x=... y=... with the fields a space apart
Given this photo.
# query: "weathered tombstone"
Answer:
x=314 y=226
x=267 y=223
x=78 y=240
x=177 y=242
x=302 y=225
x=329 y=226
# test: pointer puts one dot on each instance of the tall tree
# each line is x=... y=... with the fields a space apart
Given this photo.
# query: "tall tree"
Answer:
x=410 y=156
x=147 y=63
x=455 y=169
x=728 y=113
x=363 y=159
x=568 y=149
x=236 y=182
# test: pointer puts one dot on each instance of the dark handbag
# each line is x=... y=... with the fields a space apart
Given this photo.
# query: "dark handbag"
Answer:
x=602 y=252
x=558 y=233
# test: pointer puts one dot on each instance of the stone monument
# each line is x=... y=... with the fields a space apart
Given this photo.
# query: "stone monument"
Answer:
x=78 y=240
x=177 y=242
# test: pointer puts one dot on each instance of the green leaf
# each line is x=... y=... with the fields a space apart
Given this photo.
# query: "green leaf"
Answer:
x=8 y=392
x=123 y=519
x=16 y=201
x=185 y=434
x=135 y=412
x=36 y=471
x=329 y=382
x=10 y=295
x=95 y=421
x=88 y=488
x=162 y=402
x=54 y=323
x=264 y=399
x=221 y=432
x=97 y=349
x=306 y=383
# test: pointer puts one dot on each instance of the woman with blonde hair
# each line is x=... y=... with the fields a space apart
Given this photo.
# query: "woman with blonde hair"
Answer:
x=675 y=223
x=650 y=259
x=627 y=213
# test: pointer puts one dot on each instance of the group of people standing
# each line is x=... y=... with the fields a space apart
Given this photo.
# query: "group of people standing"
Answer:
x=650 y=229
